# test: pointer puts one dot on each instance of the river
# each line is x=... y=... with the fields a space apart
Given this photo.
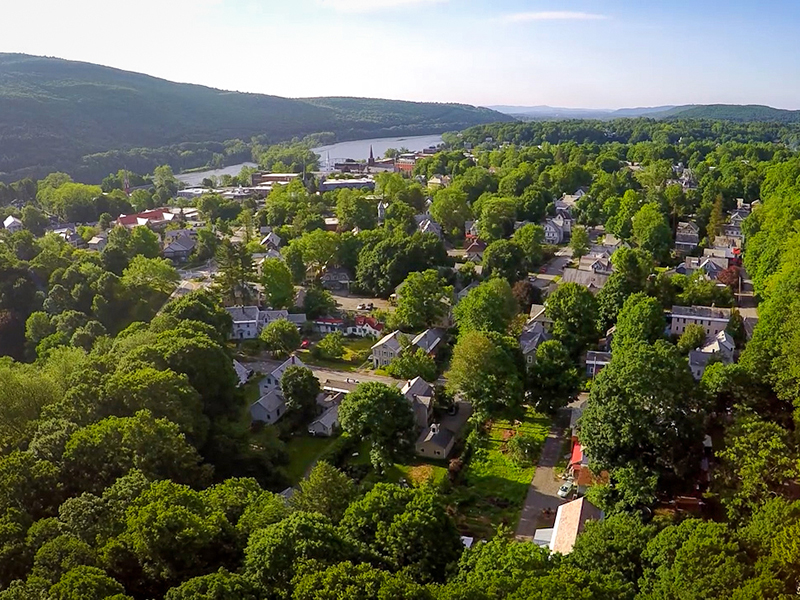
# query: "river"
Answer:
x=357 y=150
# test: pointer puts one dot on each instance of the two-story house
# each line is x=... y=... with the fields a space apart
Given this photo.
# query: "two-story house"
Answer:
x=387 y=349
x=712 y=319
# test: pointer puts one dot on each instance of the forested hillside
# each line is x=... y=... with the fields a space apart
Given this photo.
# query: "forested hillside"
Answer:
x=733 y=112
x=54 y=112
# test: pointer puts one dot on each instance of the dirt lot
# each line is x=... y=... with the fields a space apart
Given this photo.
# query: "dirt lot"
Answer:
x=349 y=302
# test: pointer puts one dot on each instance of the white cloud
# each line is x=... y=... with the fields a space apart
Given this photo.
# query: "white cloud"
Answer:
x=561 y=15
x=372 y=5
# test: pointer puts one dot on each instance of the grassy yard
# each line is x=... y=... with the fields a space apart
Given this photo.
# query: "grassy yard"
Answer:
x=353 y=358
x=494 y=485
x=303 y=451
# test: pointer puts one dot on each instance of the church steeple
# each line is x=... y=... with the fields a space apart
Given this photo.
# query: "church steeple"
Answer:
x=371 y=161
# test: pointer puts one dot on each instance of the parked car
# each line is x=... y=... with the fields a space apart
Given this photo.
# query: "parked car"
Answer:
x=305 y=344
x=566 y=489
x=361 y=307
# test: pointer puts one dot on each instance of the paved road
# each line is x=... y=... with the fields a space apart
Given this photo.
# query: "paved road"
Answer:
x=542 y=493
x=323 y=373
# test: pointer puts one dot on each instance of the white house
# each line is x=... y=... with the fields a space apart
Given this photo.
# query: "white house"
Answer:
x=721 y=347
x=419 y=393
x=245 y=322
x=327 y=423
x=436 y=442
x=387 y=349
x=557 y=229
x=365 y=326
x=13 y=224
x=273 y=379
x=98 y=242
x=242 y=372
x=248 y=321
x=710 y=318
x=269 y=408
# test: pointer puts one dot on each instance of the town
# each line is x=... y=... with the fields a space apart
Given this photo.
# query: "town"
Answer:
x=505 y=349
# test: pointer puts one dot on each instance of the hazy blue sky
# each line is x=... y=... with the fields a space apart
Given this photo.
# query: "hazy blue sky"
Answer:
x=581 y=53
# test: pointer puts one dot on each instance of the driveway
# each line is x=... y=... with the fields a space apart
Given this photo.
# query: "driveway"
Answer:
x=559 y=262
x=543 y=491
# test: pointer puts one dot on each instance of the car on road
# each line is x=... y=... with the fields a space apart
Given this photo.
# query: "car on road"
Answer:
x=566 y=489
x=366 y=306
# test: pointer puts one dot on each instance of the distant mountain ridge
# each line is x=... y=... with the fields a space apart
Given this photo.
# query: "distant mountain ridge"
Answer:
x=54 y=112
x=725 y=112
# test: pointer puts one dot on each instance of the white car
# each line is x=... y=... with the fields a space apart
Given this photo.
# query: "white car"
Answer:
x=566 y=489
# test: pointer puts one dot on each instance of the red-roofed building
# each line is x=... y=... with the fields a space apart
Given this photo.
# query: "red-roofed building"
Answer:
x=154 y=219
x=366 y=326
x=328 y=325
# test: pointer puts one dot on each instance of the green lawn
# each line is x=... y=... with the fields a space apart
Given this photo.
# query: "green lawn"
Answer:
x=303 y=451
x=354 y=348
x=494 y=486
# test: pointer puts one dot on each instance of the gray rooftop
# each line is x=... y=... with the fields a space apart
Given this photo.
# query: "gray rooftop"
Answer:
x=702 y=312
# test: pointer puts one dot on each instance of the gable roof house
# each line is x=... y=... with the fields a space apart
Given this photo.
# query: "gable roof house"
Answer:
x=429 y=341
x=245 y=322
x=532 y=336
x=557 y=229
x=463 y=293
x=271 y=240
x=471 y=230
x=98 y=242
x=592 y=281
x=538 y=314
x=69 y=235
x=687 y=236
x=571 y=520
x=712 y=266
x=269 y=408
x=336 y=279
x=738 y=216
x=475 y=250
x=427 y=225
x=365 y=326
x=420 y=394
x=596 y=264
x=13 y=224
x=242 y=372
x=720 y=347
x=435 y=442
x=387 y=349
x=272 y=381
x=178 y=248
x=326 y=424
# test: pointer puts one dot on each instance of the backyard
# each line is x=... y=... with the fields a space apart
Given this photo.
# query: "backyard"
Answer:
x=356 y=352
x=304 y=451
x=493 y=485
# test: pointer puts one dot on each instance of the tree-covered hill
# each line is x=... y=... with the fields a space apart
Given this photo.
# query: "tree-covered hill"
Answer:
x=53 y=112
x=743 y=113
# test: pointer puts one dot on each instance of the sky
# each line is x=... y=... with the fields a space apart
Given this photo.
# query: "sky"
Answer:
x=568 y=53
